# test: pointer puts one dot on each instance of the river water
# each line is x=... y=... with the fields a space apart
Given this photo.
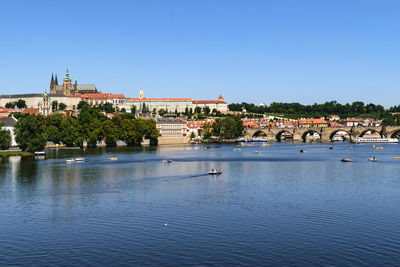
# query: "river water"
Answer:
x=277 y=206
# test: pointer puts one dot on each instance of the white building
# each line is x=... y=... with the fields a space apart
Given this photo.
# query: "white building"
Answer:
x=9 y=124
x=173 y=105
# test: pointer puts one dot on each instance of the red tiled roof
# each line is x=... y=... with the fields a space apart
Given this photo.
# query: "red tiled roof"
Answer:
x=102 y=96
x=30 y=111
x=159 y=99
x=208 y=102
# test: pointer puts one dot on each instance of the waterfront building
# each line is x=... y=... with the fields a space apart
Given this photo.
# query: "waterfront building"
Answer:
x=69 y=89
x=171 y=131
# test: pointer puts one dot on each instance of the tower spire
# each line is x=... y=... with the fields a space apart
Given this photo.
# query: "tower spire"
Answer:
x=67 y=78
x=56 y=81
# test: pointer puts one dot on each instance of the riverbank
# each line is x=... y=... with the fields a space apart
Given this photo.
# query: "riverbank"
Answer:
x=7 y=153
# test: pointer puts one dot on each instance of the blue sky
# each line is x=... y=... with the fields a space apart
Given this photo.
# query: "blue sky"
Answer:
x=254 y=51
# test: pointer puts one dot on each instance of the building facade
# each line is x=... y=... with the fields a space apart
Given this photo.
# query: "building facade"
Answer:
x=173 y=105
x=171 y=131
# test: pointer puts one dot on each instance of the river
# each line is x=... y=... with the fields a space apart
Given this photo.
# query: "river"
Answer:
x=277 y=206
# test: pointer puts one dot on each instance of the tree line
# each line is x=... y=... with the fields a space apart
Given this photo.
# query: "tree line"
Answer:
x=297 y=110
x=91 y=125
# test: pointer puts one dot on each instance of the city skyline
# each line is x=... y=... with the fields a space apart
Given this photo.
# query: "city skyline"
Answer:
x=259 y=52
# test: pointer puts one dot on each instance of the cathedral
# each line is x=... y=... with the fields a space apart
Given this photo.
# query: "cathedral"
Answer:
x=70 y=89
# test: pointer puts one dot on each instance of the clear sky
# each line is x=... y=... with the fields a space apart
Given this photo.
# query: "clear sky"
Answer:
x=255 y=51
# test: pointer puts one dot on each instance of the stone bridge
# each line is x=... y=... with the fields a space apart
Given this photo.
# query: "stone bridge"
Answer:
x=326 y=133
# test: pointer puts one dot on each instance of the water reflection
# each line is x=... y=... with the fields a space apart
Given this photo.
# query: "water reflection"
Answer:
x=264 y=207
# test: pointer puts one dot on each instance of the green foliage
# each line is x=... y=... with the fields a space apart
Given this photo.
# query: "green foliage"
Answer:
x=133 y=109
x=29 y=134
x=54 y=105
x=206 y=110
x=21 y=103
x=5 y=138
x=197 y=110
x=296 y=110
x=107 y=107
x=81 y=104
x=91 y=125
x=10 y=105
x=62 y=106
x=162 y=112
x=192 y=135
x=228 y=128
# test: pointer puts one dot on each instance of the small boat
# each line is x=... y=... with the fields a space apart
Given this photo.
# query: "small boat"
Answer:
x=331 y=147
x=372 y=159
x=167 y=160
x=112 y=158
x=40 y=153
x=379 y=147
x=257 y=152
x=396 y=157
x=346 y=160
x=302 y=150
x=70 y=160
x=80 y=159
x=215 y=172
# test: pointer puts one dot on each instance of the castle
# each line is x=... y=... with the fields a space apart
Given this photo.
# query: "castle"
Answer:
x=69 y=89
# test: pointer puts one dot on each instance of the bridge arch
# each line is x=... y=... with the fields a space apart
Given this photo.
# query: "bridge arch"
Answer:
x=284 y=135
x=333 y=133
x=395 y=134
x=259 y=133
x=310 y=132
x=370 y=130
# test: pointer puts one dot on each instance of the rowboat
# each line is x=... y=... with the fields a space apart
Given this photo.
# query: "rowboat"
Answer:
x=302 y=150
x=372 y=159
x=112 y=158
x=80 y=159
x=396 y=158
x=70 y=160
x=346 y=160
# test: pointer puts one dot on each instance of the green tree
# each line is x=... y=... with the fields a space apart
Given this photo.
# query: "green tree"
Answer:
x=110 y=131
x=206 y=110
x=21 y=103
x=197 y=110
x=62 y=106
x=54 y=105
x=162 y=112
x=133 y=109
x=5 y=139
x=29 y=133
x=81 y=104
x=10 y=105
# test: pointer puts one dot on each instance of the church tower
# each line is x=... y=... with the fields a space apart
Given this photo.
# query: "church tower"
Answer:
x=52 y=85
x=67 y=84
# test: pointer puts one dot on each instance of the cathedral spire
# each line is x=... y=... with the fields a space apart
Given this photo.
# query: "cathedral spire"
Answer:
x=67 y=78
x=56 y=81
